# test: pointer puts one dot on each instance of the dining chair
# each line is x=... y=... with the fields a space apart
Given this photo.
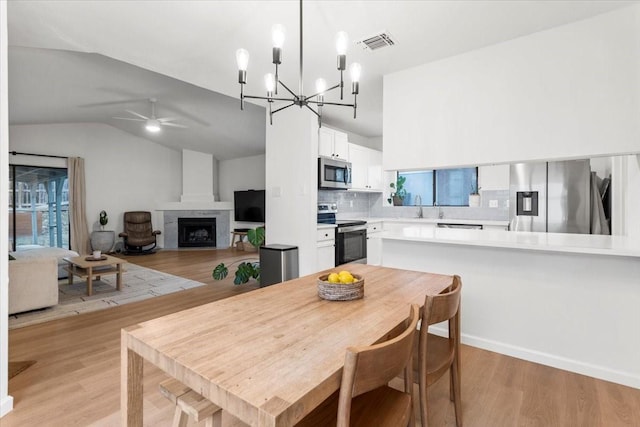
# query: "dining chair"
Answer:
x=434 y=355
x=364 y=398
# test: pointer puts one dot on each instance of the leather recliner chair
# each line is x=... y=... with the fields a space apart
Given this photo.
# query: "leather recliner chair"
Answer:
x=138 y=235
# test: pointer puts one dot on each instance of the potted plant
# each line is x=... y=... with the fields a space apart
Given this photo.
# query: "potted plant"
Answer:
x=474 y=196
x=104 y=219
x=398 y=191
x=247 y=268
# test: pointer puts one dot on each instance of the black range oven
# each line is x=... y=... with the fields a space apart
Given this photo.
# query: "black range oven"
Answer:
x=351 y=235
x=351 y=242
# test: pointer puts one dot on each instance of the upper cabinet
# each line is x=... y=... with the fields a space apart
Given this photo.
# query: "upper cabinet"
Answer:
x=568 y=92
x=333 y=143
x=366 y=172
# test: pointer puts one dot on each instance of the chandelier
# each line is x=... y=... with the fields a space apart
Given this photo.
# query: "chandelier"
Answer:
x=272 y=81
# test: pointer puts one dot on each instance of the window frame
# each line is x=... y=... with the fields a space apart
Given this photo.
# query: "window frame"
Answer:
x=435 y=186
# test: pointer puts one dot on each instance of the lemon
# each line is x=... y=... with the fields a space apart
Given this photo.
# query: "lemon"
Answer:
x=333 y=278
x=344 y=272
x=346 y=279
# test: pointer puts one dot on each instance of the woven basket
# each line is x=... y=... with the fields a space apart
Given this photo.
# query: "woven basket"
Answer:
x=340 y=291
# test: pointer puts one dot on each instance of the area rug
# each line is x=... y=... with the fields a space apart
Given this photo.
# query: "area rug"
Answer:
x=16 y=367
x=138 y=283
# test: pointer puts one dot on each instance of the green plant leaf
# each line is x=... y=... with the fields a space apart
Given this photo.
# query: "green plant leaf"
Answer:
x=243 y=273
x=256 y=236
x=220 y=272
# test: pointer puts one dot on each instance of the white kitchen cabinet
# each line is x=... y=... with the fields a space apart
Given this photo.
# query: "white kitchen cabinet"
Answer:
x=374 y=243
x=325 y=248
x=366 y=172
x=333 y=143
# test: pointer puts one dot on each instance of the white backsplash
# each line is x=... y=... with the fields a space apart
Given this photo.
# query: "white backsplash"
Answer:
x=353 y=204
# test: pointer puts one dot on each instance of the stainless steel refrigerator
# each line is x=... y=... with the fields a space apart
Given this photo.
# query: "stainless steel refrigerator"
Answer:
x=550 y=196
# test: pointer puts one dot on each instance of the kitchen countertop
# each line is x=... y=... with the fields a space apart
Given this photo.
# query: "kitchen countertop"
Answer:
x=446 y=221
x=323 y=226
x=550 y=242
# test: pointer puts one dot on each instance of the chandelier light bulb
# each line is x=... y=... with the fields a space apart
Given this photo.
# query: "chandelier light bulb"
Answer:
x=321 y=86
x=242 y=58
x=355 y=70
x=342 y=42
x=269 y=82
x=277 y=35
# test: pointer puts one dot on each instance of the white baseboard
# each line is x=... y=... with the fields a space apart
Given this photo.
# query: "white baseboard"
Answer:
x=555 y=361
x=6 y=405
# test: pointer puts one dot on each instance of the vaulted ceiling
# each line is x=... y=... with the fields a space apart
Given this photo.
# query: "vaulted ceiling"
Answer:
x=73 y=61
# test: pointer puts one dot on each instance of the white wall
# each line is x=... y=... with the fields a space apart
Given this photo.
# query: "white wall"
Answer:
x=122 y=172
x=245 y=173
x=6 y=401
x=569 y=92
x=632 y=197
x=197 y=176
x=291 y=183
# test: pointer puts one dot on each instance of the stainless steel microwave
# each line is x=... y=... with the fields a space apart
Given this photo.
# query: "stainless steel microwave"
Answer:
x=333 y=174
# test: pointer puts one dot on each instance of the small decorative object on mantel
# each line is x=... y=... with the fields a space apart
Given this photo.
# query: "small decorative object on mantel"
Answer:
x=342 y=286
x=103 y=219
x=398 y=192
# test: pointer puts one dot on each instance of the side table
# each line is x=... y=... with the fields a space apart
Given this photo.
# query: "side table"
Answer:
x=103 y=240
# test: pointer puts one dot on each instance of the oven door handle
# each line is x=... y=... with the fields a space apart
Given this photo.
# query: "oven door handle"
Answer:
x=352 y=228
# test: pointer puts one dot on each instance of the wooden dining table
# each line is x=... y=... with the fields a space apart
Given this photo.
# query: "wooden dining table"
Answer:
x=270 y=356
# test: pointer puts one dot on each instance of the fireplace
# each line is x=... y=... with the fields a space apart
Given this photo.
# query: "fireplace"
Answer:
x=196 y=232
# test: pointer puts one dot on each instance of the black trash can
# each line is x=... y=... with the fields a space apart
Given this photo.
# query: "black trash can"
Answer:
x=278 y=263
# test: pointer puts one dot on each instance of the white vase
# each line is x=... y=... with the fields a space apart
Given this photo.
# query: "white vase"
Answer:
x=474 y=200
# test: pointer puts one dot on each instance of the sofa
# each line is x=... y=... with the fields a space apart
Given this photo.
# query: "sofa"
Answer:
x=33 y=283
x=37 y=251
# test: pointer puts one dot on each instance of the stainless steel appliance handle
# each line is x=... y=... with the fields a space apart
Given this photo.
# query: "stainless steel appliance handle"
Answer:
x=352 y=228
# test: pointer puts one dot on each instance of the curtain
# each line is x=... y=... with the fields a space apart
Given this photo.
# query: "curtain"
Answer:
x=77 y=206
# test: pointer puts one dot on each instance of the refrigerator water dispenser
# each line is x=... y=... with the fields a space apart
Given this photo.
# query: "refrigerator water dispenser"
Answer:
x=527 y=203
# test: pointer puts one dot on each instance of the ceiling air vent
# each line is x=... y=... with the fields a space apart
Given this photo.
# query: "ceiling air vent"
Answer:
x=376 y=41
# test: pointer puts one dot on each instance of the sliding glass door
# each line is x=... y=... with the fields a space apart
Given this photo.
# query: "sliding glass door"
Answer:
x=38 y=206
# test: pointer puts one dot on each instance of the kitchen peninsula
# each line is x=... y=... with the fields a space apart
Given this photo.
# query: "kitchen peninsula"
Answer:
x=563 y=300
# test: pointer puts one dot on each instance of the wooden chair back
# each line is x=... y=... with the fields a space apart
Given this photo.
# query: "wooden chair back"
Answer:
x=370 y=367
x=434 y=356
x=445 y=306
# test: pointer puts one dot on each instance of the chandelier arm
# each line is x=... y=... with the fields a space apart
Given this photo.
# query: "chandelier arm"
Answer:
x=314 y=111
x=267 y=98
x=282 y=108
x=301 y=69
x=288 y=90
x=320 y=93
x=331 y=103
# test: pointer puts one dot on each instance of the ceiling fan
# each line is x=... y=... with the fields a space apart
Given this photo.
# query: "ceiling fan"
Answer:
x=152 y=124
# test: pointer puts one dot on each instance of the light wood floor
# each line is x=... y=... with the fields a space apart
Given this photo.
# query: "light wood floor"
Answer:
x=76 y=380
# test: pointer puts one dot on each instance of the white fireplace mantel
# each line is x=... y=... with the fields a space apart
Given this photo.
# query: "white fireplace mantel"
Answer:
x=195 y=206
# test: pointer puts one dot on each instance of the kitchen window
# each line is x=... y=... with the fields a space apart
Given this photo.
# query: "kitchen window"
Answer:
x=441 y=187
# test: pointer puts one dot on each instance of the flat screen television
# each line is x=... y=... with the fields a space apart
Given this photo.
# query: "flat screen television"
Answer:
x=249 y=205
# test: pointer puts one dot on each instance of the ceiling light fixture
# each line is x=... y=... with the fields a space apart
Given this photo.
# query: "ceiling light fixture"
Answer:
x=272 y=81
x=153 y=125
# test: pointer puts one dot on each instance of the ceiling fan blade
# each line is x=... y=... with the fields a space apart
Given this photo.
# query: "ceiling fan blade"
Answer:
x=137 y=114
x=175 y=125
x=129 y=118
x=101 y=104
x=167 y=119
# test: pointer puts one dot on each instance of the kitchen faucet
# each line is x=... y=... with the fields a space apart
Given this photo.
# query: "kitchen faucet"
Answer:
x=418 y=202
